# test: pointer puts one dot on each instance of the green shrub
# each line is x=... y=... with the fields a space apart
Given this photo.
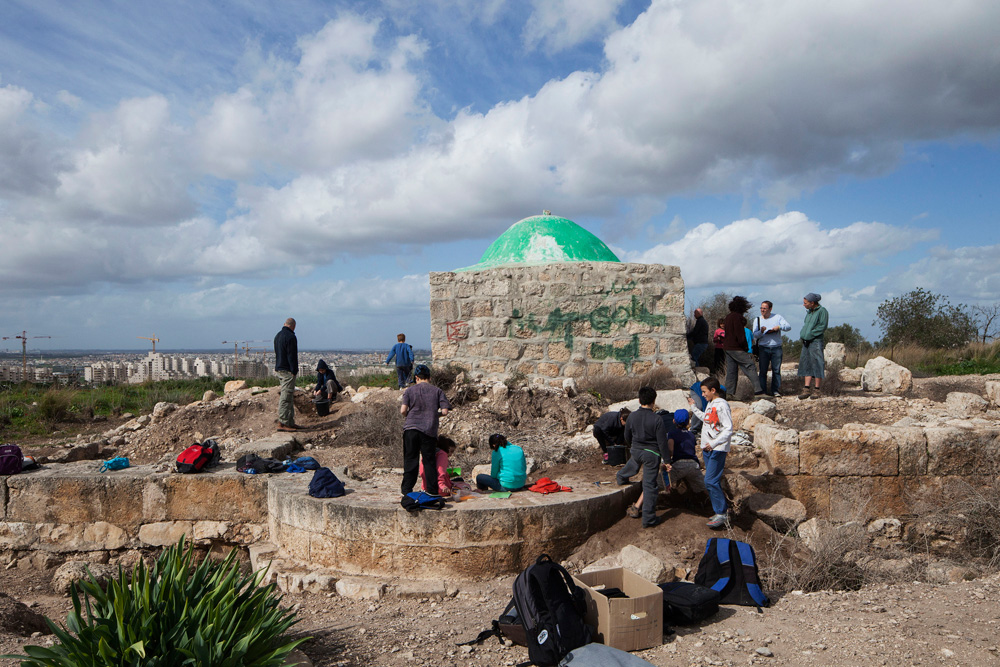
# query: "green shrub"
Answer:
x=54 y=405
x=172 y=614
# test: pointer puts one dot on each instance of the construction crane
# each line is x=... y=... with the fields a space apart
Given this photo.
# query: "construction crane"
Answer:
x=154 y=339
x=24 y=352
x=236 y=350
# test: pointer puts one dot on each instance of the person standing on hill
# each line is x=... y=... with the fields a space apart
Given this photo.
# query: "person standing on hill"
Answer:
x=422 y=405
x=698 y=336
x=647 y=434
x=735 y=344
x=811 y=362
x=767 y=332
x=286 y=366
x=402 y=352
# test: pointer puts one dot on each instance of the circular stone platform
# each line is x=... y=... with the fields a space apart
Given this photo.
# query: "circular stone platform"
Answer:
x=367 y=532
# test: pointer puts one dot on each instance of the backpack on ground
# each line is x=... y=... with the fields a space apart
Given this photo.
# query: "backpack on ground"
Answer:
x=730 y=567
x=11 y=460
x=685 y=603
x=546 y=486
x=325 y=484
x=199 y=456
x=508 y=625
x=617 y=455
x=253 y=464
x=551 y=608
x=421 y=500
x=117 y=463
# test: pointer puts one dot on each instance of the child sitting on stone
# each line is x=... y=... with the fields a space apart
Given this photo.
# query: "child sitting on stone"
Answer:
x=445 y=446
x=508 y=469
x=684 y=464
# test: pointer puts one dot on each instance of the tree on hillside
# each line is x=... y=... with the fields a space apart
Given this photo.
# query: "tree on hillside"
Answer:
x=923 y=318
x=987 y=320
x=715 y=308
x=849 y=335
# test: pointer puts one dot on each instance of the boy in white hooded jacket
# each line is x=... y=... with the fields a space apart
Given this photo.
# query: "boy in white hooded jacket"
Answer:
x=716 y=433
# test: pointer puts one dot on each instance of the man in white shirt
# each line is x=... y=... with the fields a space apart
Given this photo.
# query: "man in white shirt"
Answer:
x=767 y=333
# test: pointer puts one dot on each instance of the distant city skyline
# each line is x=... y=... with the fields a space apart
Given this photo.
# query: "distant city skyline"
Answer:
x=201 y=171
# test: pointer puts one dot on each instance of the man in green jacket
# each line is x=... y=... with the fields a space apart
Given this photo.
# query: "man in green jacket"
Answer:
x=811 y=362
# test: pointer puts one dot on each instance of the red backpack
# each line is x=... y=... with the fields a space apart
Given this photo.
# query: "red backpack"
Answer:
x=199 y=456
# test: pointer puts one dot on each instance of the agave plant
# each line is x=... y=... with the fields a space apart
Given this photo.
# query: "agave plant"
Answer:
x=210 y=615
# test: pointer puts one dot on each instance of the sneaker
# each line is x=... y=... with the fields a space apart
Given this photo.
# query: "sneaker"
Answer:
x=805 y=393
x=777 y=394
x=633 y=512
x=718 y=521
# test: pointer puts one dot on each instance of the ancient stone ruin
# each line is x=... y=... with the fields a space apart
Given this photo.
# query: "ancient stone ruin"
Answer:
x=549 y=300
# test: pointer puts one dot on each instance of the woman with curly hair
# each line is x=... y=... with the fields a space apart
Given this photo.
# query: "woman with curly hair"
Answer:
x=736 y=347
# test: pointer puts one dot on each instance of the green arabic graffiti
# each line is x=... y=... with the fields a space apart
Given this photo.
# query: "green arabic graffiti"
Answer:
x=601 y=319
x=626 y=354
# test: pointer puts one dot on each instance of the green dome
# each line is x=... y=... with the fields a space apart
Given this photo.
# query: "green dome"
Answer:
x=544 y=239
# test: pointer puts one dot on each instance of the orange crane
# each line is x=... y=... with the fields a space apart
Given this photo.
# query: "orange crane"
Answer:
x=24 y=352
x=154 y=339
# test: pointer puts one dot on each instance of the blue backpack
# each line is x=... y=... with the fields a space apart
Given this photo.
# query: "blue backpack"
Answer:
x=421 y=500
x=325 y=484
x=730 y=568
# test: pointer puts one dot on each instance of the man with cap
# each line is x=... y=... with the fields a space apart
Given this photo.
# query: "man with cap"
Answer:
x=684 y=464
x=811 y=362
x=423 y=402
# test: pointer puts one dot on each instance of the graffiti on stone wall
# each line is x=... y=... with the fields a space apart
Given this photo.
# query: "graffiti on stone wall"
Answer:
x=456 y=331
x=625 y=354
x=559 y=324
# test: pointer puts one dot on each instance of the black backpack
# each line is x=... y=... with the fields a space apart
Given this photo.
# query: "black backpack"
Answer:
x=421 y=500
x=730 y=567
x=551 y=608
x=11 y=460
x=685 y=603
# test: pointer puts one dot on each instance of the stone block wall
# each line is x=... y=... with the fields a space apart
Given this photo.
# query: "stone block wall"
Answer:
x=864 y=471
x=561 y=320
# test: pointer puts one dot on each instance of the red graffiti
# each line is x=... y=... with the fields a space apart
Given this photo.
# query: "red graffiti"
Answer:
x=457 y=331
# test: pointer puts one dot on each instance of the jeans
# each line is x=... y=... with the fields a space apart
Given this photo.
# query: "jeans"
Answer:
x=650 y=464
x=403 y=374
x=488 y=482
x=715 y=464
x=738 y=360
x=418 y=445
x=697 y=351
x=286 y=402
x=770 y=355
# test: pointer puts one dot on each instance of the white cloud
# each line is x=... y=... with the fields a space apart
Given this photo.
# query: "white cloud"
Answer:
x=557 y=25
x=966 y=274
x=788 y=248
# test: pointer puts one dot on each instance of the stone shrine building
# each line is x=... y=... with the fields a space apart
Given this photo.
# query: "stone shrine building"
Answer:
x=549 y=300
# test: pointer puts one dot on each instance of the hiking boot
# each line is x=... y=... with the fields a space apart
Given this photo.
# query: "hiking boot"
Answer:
x=287 y=427
x=805 y=393
x=654 y=523
x=816 y=393
x=633 y=512
x=718 y=522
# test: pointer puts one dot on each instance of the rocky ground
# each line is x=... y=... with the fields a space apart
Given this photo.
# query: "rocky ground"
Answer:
x=904 y=623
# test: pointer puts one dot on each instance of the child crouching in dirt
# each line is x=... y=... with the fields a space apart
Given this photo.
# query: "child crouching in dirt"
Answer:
x=508 y=469
x=684 y=464
x=445 y=446
x=716 y=433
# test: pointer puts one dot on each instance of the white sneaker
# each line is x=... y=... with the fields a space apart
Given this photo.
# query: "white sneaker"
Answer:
x=777 y=394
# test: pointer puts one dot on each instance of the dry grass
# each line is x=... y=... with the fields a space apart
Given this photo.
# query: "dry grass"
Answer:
x=615 y=388
x=379 y=426
x=973 y=358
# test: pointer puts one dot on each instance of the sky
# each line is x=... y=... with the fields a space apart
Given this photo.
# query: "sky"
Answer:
x=199 y=171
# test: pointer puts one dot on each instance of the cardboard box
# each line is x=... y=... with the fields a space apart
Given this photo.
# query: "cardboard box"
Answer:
x=629 y=624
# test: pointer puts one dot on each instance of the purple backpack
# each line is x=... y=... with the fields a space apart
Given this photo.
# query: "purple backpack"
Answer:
x=11 y=459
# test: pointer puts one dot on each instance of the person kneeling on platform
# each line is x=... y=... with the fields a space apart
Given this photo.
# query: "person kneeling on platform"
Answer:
x=684 y=464
x=445 y=446
x=508 y=468
x=647 y=435
x=609 y=430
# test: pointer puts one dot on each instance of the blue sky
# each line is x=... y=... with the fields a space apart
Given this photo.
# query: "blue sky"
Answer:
x=203 y=170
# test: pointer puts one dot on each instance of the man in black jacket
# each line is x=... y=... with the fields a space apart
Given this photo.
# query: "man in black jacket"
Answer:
x=644 y=430
x=698 y=336
x=286 y=365
x=610 y=430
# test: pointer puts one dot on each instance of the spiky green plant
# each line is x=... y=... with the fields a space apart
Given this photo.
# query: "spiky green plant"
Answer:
x=174 y=613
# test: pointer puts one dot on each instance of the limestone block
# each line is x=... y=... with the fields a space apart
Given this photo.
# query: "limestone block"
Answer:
x=534 y=351
x=209 y=396
x=434 y=589
x=443 y=350
x=640 y=368
x=76 y=496
x=850 y=376
x=779 y=512
x=912 y=445
x=443 y=310
x=105 y=535
x=845 y=452
x=558 y=352
x=508 y=349
x=575 y=370
x=235 y=385
x=964 y=404
x=233 y=497
x=615 y=368
x=570 y=387
x=834 y=354
x=754 y=420
x=359 y=588
x=880 y=374
x=162 y=409
x=74 y=571
x=645 y=564
x=526 y=367
x=780 y=446
x=859 y=498
x=739 y=414
x=816 y=532
x=958 y=451
x=165 y=533
x=491 y=366
x=210 y=530
x=766 y=408
x=993 y=392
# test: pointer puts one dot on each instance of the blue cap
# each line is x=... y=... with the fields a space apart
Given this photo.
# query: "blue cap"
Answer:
x=681 y=417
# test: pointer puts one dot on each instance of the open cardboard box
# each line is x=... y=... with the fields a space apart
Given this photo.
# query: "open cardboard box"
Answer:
x=629 y=624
